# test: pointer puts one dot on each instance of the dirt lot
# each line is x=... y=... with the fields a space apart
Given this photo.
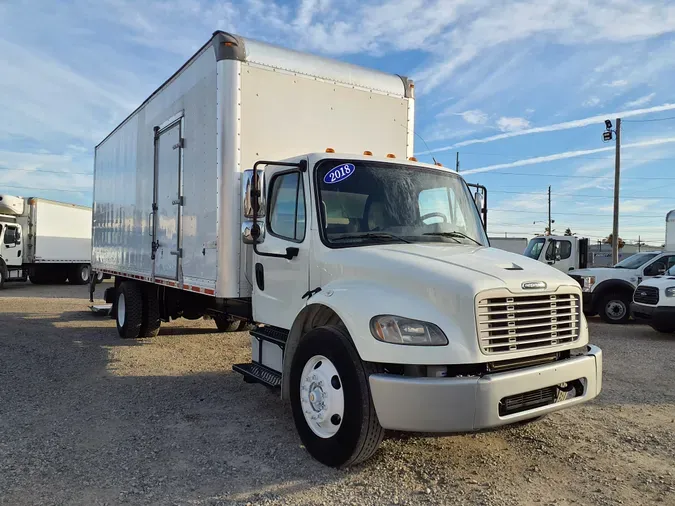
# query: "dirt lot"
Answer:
x=86 y=418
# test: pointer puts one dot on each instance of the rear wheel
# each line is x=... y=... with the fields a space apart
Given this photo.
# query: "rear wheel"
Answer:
x=614 y=308
x=330 y=398
x=79 y=275
x=129 y=307
x=226 y=323
x=3 y=274
x=151 y=322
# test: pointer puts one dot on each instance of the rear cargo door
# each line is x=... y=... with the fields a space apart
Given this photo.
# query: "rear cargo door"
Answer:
x=168 y=200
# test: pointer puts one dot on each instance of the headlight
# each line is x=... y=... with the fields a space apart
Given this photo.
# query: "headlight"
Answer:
x=399 y=330
x=670 y=291
x=589 y=281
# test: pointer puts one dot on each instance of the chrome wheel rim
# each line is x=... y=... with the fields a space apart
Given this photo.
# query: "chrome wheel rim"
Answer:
x=121 y=310
x=322 y=396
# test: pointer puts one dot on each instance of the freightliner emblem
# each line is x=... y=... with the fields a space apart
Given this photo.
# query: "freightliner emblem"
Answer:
x=533 y=285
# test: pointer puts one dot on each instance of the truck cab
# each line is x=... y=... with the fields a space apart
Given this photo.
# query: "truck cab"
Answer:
x=565 y=253
x=10 y=251
x=378 y=274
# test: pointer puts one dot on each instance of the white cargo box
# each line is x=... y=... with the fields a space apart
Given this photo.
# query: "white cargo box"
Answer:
x=167 y=180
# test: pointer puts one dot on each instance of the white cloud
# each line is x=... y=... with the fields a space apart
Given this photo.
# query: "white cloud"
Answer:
x=511 y=124
x=631 y=205
x=474 y=117
x=618 y=83
x=599 y=119
x=639 y=102
x=567 y=154
x=591 y=102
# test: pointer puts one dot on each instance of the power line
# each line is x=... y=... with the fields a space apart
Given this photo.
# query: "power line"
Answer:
x=647 y=120
x=65 y=173
x=587 y=157
x=543 y=193
x=581 y=177
x=42 y=189
x=583 y=214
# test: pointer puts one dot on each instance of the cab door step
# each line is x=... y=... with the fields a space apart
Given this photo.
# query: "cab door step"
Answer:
x=257 y=373
x=271 y=334
x=267 y=356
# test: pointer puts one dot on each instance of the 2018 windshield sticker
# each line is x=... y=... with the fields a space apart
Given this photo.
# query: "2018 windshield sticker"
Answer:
x=339 y=173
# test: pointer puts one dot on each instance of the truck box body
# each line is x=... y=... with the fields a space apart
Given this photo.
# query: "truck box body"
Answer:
x=234 y=102
x=57 y=233
x=512 y=244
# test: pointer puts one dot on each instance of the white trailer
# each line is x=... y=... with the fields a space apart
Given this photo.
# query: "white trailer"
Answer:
x=376 y=301
x=46 y=240
x=512 y=244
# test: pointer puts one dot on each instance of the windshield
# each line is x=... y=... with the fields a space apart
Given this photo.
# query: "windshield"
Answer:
x=534 y=248
x=363 y=202
x=635 y=261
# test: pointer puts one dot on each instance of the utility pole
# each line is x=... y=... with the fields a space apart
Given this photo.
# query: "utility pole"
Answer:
x=457 y=163
x=617 y=173
x=550 y=232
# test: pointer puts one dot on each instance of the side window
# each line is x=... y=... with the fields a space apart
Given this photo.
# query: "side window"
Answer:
x=564 y=249
x=10 y=235
x=550 y=251
x=670 y=261
x=287 y=207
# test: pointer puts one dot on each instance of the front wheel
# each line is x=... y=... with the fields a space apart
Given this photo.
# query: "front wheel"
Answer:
x=330 y=399
x=226 y=323
x=614 y=308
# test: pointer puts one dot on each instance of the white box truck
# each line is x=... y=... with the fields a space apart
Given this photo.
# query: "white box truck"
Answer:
x=512 y=244
x=48 y=241
x=263 y=185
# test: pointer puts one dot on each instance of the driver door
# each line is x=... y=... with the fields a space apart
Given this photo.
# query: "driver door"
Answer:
x=11 y=246
x=280 y=283
x=658 y=267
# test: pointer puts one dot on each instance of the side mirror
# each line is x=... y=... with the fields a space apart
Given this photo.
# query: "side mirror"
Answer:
x=253 y=202
x=253 y=198
x=478 y=199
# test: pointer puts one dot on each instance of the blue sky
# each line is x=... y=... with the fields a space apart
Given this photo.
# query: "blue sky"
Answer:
x=519 y=88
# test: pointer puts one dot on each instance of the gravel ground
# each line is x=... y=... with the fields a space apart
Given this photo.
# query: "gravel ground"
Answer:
x=86 y=418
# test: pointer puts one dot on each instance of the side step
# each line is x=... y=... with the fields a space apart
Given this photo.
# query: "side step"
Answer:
x=272 y=334
x=256 y=373
x=267 y=356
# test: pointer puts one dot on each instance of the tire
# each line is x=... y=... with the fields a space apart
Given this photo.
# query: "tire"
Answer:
x=663 y=328
x=3 y=275
x=129 y=317
x=245 y=326
x=615 y=308
x=358 y=433
x=99 y=277
x=80 y=274
x=150 y=321
x=226 y=323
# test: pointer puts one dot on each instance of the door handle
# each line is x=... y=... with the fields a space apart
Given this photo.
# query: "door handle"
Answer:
x=150 y=216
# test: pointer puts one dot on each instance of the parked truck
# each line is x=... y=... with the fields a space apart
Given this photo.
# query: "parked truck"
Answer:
x=512 y=244
x=267 y=186
x=46 y=241
x=564 y=252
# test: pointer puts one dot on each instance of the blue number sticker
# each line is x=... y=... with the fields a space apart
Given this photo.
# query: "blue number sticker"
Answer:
x=339 y=173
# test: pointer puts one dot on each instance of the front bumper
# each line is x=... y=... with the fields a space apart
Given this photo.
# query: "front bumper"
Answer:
x=656 y=314
x=472 y=403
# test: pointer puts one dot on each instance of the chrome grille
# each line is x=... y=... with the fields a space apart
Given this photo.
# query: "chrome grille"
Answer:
x=511 y=323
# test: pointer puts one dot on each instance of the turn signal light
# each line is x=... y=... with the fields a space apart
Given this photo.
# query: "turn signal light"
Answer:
x=391 y=155
x=368 y=153
x=438 y=164
x=412 y=159
x=330 y=150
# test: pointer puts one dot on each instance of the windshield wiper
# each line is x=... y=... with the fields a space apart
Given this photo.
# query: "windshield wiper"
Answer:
x=371 y=235
x=453 y=235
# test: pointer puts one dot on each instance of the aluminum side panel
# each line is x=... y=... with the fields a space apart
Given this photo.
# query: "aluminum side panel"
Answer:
x=124 y=178
x=315 y=114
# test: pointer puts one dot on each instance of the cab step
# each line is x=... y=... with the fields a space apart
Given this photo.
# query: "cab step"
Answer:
x=273 y=335
x=257 y=373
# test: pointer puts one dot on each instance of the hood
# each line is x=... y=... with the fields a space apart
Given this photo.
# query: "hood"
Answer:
x=602 y=273
x=431 y=264
x=659 y=281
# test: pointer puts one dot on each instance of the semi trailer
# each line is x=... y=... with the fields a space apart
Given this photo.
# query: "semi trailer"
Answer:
x=279 y=189
x=44 y=240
